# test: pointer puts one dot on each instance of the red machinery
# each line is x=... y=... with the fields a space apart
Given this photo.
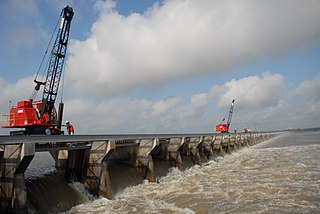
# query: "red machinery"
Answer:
x=224 y=127
x=35 y=117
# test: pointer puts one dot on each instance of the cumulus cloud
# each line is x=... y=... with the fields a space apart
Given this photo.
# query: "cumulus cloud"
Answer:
x=11 y=93
x=310 y=88
x=116 y=115
x=307 y=101
x=265 y=102
x=251 y=91
x=132 y=115
x=20 y=90
x=161 y=107
x=268 y=107
x=254 y=95
x=183 y=38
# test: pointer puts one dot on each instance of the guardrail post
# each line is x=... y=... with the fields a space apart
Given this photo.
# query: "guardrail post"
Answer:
x=16 y=159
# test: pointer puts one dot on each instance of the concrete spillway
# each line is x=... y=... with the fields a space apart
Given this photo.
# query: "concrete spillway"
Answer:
x=87 y=161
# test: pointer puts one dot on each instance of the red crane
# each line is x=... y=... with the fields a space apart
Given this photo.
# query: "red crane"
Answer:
x=37 y=117
x=224 y=127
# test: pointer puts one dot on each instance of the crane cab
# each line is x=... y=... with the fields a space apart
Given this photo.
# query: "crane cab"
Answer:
x=223 y=128
x=22 y=115
x=26 y=115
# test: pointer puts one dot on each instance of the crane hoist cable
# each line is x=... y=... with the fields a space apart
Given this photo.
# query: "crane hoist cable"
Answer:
x=38 y=83
x=37 y=87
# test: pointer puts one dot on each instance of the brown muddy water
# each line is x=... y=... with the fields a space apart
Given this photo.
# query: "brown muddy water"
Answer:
x=281 y=175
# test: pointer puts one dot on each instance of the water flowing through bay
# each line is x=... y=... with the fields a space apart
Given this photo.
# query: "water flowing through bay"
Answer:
x=281 y=175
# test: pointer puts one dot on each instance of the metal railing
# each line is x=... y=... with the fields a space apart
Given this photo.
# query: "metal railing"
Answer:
x=7 y=119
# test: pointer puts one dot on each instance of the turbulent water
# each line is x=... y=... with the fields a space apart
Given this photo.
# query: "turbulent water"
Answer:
x=281 y=175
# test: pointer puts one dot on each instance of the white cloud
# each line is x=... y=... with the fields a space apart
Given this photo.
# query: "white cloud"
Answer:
x=11 y=93
x=20 y=90
x=128 y=115
x=162 y=107
x=251 y=92
x=123 y=115
x=271 y=107
x=307 y=101
x=189 y=37
x=175 y=114
x=310 y=88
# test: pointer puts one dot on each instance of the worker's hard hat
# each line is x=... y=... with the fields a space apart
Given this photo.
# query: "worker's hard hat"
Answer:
x=67 y=122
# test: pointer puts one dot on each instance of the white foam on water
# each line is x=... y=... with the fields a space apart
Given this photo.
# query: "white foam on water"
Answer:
x=79 y=187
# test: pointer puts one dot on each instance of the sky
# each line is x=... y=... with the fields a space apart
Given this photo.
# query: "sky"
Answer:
x=170 y=66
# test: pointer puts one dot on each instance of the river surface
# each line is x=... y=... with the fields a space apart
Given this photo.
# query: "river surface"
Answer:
x=281 y=175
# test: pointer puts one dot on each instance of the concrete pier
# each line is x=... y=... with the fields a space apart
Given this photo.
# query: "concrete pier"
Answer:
x=191 y=149
x=14 y=162
x=217 y=146
x=87 y=160
x=206 y=147
x=97 y=179
x=144 y=158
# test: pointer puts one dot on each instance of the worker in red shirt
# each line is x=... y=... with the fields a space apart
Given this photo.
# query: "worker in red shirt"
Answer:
x=70 y=128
